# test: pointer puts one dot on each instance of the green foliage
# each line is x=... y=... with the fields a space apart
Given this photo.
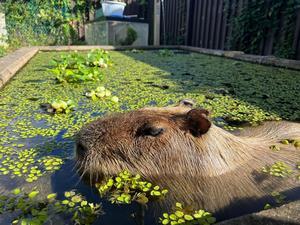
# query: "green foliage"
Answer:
x=42 y=22
x=126 y=188
x=34 y=211
x=295 y=143
x=23 y=163
x=130 y=38
x=3 y=50
x=258 y=19
x=278 y=197
x=187 y=216
x=285 y=142
x=165 y=52
x=75 y=68
x=278 y=169
x=274 y=147
x=267 y=206
x=101 y=93
x=61 y=106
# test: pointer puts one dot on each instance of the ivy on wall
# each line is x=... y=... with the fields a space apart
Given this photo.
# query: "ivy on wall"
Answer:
x=260 y=19
x=43 y=22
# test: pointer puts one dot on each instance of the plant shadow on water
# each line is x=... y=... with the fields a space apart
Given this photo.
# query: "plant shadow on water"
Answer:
x=272 y=90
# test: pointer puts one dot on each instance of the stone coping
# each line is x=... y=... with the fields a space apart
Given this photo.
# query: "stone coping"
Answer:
x=288 y=214
x=239 y=55
x=12 y=63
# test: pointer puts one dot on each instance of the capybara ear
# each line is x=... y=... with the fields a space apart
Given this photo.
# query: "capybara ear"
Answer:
x=198 y=122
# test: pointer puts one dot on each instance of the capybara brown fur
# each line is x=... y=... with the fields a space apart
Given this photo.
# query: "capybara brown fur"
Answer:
x=180 y=149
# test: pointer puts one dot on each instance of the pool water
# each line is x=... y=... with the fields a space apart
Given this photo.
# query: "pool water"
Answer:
x=237 y=93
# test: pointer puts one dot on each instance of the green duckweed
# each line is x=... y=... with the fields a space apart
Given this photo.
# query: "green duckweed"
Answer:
x=126 y=188
x=278 y=169
x=35 y=211
x=34 y=143
x=183 y=215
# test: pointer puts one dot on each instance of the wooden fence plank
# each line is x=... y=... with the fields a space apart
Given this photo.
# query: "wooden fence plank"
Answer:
x=203 y=22
x=200 y=10
x=212 y=24
x=209 y=24
x=224 y=24
x=218 y=26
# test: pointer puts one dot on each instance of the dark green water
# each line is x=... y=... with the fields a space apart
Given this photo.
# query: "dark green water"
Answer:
x=237 y=93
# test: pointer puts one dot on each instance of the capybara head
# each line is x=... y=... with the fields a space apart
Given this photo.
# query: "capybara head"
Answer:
x=150 y=141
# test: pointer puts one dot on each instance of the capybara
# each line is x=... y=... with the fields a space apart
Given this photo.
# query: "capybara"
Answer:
x=180 y=149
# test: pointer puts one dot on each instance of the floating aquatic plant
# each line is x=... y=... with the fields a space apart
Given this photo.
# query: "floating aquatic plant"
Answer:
x=101 y=93
x=60 y=106
x=138 y=78
x=278 y=197
x=165 y=52
x=267 y=206
x=183 y=215
x=23 y=164
x=296 y=143
x=274 y=148
x=75 y=68
x=278 y=169
x=34 y=211
x=98 y=58
x=135 y=51
x=285 y=142
x=126 y=188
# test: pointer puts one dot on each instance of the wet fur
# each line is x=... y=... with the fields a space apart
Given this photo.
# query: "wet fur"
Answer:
x=213 y=171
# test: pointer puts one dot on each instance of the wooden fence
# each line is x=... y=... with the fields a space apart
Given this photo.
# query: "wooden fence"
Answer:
x=210 y=24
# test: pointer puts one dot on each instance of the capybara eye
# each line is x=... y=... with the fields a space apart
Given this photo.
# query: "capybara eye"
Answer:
x=148 y=130
x=80 y=150
x=187 y=103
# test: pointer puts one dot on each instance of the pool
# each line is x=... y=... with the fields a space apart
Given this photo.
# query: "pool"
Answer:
x=239 y=94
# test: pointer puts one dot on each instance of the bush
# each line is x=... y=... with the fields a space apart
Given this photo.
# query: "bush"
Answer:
x=131 y=37
x=42 y=22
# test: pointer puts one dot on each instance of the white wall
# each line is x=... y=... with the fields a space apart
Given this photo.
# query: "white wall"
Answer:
x=3 y=31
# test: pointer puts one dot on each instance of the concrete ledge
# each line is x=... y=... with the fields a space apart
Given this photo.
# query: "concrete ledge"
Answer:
x=12 y=63
x=238 y=55
x=288 y=214
x=105 y=47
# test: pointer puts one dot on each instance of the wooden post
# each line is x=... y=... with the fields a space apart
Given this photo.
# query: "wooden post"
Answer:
x=187 y=24
x=156 y=24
